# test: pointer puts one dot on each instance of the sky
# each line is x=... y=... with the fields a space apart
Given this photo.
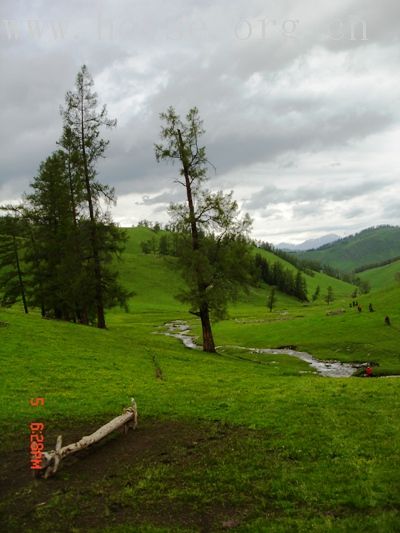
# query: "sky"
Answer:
x=300 y=102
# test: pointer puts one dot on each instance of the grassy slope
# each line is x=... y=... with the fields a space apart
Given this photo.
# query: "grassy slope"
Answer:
x=367 y=247
x=153 y=270
x=152 y=277
x=382 y=277
x=323 y=454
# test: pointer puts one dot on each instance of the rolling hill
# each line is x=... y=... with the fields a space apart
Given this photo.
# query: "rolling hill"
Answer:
x=368 y=247
x=382 y=277
x=146 y=274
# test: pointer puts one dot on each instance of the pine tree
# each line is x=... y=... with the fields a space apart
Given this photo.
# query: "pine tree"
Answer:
x=315 y=296
x=300 y=287
x=52 y=256
x=82 y=128
x=163 y=247
x=214 y=251
x=271 y=299
x=69 y=244
x=329 y=295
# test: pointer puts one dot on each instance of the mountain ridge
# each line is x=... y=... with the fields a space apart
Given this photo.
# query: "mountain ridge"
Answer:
x=369 y=246
x=309 y=244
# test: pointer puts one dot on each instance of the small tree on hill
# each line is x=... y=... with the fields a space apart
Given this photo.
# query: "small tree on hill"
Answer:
x=271 y=301
x=329 y=295
x=163 y=247
x=364 y=286
x=300 y=287
x=316 y=294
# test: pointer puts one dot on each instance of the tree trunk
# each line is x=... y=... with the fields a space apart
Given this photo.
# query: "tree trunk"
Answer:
x=193 y=225
x=101 y=322
x=21 y=283
x=37 y=264
x=51 y=460
x=208 y=340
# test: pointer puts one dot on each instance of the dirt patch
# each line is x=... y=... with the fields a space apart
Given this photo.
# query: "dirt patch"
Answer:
x=139 y=478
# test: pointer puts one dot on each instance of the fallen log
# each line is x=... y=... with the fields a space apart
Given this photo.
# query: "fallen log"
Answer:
x=51 y=460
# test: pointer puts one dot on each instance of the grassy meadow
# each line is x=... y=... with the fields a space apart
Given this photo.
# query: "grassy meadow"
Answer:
x=382 y=277
x=224 y=442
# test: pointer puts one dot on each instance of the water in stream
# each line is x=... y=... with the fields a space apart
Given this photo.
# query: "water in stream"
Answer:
x=333 y=369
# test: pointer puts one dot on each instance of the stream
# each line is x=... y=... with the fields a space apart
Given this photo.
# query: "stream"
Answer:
x=332 y=369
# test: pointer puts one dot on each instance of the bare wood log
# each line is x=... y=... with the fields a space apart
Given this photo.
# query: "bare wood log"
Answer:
x=51 y=460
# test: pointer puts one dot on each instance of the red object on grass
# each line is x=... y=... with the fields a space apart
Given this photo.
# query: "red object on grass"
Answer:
x=368 y=371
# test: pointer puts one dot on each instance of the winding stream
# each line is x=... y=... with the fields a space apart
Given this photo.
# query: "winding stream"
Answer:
x=333 y=369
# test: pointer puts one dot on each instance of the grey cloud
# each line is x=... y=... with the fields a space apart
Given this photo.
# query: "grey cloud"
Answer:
x=271 y=194
x=164 y=198
x=264 y=101
x=354 y=212
x=307 y=209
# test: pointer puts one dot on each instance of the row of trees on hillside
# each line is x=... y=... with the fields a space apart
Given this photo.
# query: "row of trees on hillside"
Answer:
x=310 y=266
x=284 y=279
x=166 y=244
x=58 y=245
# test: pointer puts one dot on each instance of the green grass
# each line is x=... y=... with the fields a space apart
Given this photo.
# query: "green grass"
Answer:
x=382 y=277
x=264 y=447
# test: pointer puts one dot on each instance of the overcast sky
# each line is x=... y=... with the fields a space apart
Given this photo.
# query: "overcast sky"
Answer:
x=300 y=102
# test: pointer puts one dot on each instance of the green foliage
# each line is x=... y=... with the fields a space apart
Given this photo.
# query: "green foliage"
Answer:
x=150 y=246
x=224 y=265
x=283 y=278
x=364 y=286
x=214 y=237
x=271 y=300
x=83 y=121
x=70 y=243
x=60 y=253
x=165 y=244
x=300 y=287
x=84 y=145
x=12 y=247
x=329 y=295
x=316 y=294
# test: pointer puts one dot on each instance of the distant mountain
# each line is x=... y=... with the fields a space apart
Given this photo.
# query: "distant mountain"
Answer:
x=309 y=244
x=370 y=246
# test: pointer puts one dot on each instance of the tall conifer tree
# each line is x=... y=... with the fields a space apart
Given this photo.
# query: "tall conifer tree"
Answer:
x=83 y=122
